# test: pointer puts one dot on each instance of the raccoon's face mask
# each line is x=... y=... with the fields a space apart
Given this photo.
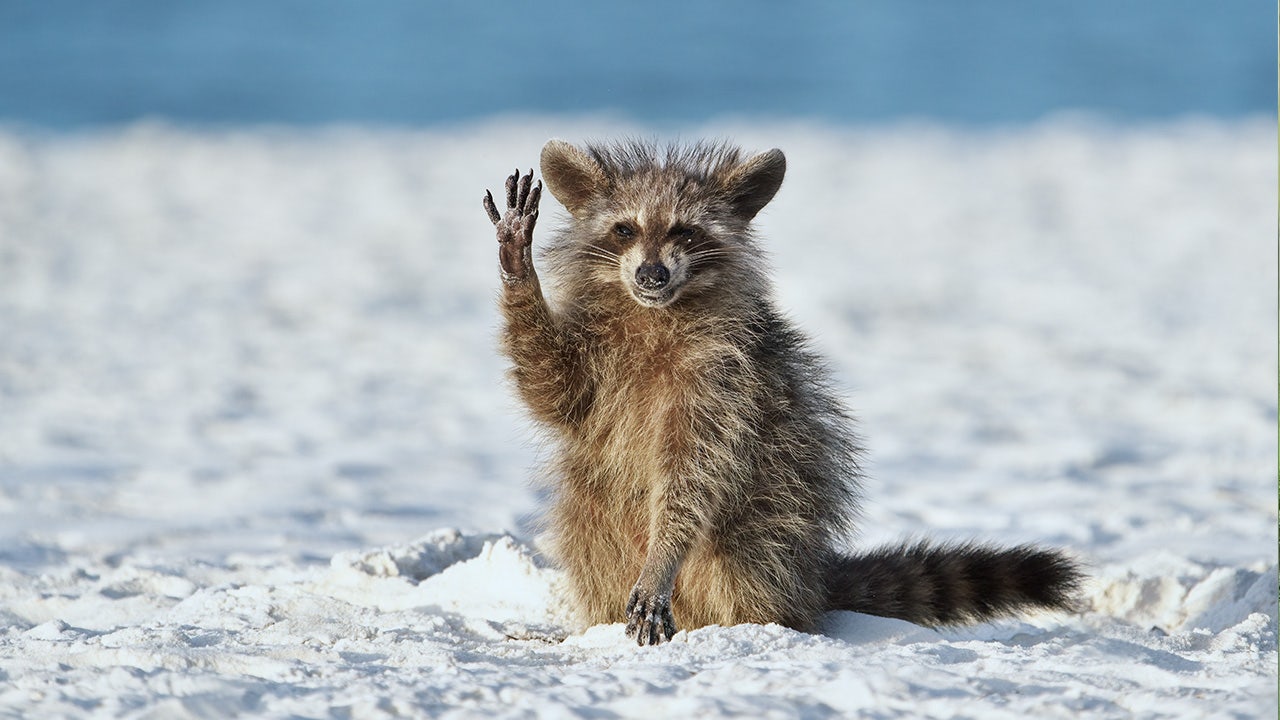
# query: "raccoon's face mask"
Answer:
x=656 y=263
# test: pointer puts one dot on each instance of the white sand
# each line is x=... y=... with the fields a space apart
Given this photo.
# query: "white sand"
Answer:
x=245 y=376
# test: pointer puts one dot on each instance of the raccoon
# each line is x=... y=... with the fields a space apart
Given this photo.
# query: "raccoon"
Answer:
x=705 y=471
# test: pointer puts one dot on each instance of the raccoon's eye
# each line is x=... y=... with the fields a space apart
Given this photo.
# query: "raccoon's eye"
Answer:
x=682 y=233
x=623 y=230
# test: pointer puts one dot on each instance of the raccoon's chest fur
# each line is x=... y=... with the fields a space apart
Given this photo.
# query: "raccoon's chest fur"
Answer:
x=644 y=373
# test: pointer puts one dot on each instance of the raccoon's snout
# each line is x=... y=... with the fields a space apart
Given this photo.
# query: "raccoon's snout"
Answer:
x=652 y=276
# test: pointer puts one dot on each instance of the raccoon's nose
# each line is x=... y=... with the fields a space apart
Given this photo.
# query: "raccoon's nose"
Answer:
x=653 y=276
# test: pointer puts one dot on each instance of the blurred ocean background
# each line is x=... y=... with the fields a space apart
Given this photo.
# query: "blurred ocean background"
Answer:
x=73 y=65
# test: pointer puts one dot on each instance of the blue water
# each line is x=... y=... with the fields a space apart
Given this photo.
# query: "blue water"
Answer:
x=70 y=64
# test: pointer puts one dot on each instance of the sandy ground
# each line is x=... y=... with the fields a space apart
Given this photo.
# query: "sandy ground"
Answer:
x=248 y=383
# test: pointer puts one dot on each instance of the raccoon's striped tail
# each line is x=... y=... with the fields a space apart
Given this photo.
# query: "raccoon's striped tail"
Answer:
x=953 y=584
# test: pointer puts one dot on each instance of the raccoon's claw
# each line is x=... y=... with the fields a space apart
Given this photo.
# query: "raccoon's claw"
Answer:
x=490 y=208
x=515 y=227
x=649 y=618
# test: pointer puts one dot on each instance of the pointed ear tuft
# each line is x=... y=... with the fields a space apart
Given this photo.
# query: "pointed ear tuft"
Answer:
x=753 y=184
x=571 y=175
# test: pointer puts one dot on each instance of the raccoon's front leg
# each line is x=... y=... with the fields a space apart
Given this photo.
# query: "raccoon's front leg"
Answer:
x=677 y=519
x=701 y=471
x=545 y=362
x=515 y=228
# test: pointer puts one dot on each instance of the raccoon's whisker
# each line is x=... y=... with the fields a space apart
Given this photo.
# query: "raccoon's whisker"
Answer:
x=711 y=252
x=696 y=262
x=602 y=250
x=606 y=259
x=700 y=264
x=708 y=255
x=595 y=252
x=708 y=246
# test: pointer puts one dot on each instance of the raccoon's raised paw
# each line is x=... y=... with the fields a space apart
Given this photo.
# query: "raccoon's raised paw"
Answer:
x=649 y=618
x=515 y=227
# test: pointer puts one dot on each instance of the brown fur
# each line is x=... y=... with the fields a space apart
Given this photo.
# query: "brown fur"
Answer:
x=704 y=470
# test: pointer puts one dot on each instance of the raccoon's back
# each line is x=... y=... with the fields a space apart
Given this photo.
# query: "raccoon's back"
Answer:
x=808 y=436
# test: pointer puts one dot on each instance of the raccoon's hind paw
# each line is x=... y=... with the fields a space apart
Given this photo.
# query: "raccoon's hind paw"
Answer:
x=515 y=227
x=649 y=618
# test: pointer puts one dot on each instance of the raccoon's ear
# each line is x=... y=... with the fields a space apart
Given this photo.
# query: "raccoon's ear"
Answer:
x=571 y=175
x=752 y=184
